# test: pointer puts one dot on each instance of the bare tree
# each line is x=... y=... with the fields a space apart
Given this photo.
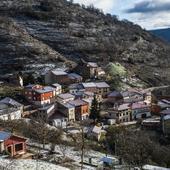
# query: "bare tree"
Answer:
x=80 y=143
x=63 y=149
x=54 y=137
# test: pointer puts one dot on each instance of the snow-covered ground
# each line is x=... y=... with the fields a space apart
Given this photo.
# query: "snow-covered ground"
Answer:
x=28 y=164
x=74 y=155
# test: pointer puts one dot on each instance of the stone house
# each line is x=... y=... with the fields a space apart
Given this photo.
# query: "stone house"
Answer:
x=46 y=111
x=58 y=120
x=65 y=97
x=10 y=109
x=40 y=95
x=75 y=88
x=124 y=113
x=132 y=95
x=96 y=133
x=62 y=77
x=90 y=86
x=81 y=109
x=56 y=76
x=115 y=97
x=91 y=70
x=58 y=88
x=140 y=111
x=102 y=88
x=67 y=110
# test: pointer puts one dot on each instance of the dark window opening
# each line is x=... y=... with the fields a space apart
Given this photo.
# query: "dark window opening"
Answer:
x=18 y=147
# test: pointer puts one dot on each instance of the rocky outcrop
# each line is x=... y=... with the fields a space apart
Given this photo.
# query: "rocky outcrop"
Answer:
x=20 y=51
x=78 y=32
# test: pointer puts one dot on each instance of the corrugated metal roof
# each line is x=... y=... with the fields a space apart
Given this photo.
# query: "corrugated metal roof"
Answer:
x=4 y=135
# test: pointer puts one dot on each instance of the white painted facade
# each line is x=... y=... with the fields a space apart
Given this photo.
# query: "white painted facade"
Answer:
x=12 y=115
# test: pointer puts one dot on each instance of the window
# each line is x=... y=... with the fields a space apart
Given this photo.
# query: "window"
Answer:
x=105 y=90
x=18 y=147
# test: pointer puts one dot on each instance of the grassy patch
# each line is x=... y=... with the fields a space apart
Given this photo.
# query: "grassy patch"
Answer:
x=9 y=91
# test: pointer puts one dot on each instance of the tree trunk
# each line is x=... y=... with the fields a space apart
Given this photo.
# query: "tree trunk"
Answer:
x=43 y=143
x=82 y=149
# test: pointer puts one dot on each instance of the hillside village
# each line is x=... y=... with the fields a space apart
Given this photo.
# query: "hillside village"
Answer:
x=71 y=108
